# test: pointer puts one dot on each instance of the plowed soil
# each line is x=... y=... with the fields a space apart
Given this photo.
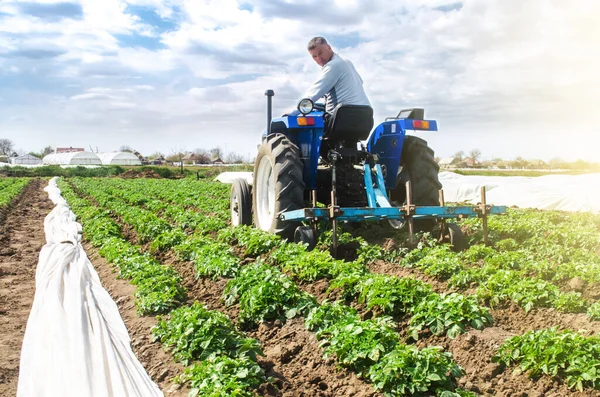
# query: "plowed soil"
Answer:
x=21 y=239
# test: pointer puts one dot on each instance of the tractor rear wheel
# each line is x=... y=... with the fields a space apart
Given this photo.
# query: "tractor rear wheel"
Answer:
x=418 y=166
x=278 y=185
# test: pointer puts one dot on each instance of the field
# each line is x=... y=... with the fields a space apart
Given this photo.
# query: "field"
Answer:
x=233 y=311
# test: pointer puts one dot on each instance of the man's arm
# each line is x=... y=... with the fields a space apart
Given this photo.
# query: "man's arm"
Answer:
x=327 y=79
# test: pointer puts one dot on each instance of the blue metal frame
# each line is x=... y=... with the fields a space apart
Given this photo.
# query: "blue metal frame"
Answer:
x=386 y=140
x=373 y=214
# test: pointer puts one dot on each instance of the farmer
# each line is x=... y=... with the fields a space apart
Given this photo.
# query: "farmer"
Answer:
x=338 y=82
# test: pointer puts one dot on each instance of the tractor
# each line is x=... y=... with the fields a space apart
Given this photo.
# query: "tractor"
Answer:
x=336 y=167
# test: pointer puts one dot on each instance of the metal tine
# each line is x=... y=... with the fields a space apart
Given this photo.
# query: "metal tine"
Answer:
x=484 y=216
x=409 y=212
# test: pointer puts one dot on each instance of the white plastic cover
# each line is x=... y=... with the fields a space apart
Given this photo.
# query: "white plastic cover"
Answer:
x=72 y=158
x=75 y=343
x=119 y=158
x=549 y=192
x=229 y=177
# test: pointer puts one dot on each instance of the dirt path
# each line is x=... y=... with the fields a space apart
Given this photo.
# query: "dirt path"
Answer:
x=21 y=239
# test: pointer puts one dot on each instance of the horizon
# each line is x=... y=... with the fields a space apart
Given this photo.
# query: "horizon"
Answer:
x=507 y=78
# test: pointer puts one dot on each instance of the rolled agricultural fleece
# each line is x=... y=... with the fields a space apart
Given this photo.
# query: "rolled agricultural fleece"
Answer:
x=76 y=343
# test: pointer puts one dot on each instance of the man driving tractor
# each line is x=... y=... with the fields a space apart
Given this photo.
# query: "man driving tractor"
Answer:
x=338 y=82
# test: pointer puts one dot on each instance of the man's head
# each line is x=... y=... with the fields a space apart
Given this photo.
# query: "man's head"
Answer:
x=320 y=50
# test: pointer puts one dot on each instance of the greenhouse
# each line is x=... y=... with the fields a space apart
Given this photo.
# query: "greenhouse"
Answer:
x=25 y=159
x=72 y=158
x=119 y=158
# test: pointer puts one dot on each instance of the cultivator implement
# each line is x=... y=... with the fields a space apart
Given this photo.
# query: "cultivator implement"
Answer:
x=380 y=208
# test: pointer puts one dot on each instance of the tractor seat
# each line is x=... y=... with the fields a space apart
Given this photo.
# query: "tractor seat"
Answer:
x=349 y=123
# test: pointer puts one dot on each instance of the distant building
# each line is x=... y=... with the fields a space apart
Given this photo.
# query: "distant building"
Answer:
x=191 y=158
x=448 y=162
x=69 y=149
x=160 y=160
x=217 y=161
x=471 y=162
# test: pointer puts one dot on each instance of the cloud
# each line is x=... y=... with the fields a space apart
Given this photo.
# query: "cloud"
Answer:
x=38 y=54
x=52 y=11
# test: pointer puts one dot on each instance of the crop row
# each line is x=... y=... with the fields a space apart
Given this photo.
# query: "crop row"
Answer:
x=390 y=295
x=10 y=188
x=214 y=257
x=266 y=294
x=223 y=360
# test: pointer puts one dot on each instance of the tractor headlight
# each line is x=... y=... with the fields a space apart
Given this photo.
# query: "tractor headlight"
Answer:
x=305 y=106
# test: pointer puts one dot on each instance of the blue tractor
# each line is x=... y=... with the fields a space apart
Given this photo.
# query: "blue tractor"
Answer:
x=336 y=167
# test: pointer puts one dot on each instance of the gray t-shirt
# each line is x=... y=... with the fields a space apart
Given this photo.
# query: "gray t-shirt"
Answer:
x=339 y=82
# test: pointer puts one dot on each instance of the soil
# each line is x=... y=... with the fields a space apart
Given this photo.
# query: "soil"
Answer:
x=21 y=239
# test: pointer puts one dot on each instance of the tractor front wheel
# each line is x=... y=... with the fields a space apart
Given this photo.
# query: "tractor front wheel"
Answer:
x=418 y=166
x=278 y=185
x=241 y=203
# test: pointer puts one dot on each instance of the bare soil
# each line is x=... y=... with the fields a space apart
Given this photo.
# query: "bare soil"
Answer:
x=21 y=239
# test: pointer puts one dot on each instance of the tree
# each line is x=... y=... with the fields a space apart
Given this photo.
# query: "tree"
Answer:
x=156 y=155
x=216 y=153
x=458 y=156
x=234 y=158
x=47 y=150
x=126 y=148
x=6 y=147
x=519 y=162
x=38 y=155
x=202 y=156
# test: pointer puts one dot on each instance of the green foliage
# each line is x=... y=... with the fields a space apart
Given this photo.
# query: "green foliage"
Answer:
x=437 y=261
x=570 y=302
x=10 y=188
x=327 y=314
x=407 y=370
x=593 y=311
x=264 y=293
x=309 y=265
x=566 y=354
x=392 y=295
x=449 y=314
x=167 y=240
x=224 y=377
x=195 y=333
x=359 y=344
x=526 y=292
x=56 y=170
x=254 y=241
x=211 y=258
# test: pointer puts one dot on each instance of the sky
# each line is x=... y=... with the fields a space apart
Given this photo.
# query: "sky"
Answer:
x=508 y=77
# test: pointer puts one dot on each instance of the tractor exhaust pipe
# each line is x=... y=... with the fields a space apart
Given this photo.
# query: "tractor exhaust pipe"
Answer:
x=269 y=94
